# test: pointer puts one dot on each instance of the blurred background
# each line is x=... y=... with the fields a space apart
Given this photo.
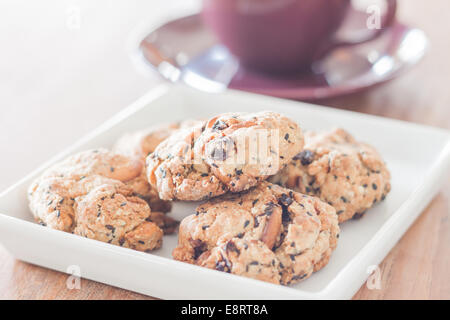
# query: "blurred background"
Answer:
x=65 y=68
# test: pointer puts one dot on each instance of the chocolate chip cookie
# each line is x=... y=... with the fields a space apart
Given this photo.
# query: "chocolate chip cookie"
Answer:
x=87 y=194
x=347 y=174
x=230 y=152
x=268 y=233
x=110 y=213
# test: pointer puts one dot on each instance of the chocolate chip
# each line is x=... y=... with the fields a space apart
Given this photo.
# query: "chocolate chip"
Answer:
x=285 y=200
x=121 y=241
x=221 y=148
x=246 y=223
x=205 y=227
x=231 y=247
x=110 y=227
x=123 y=204
x=219 y=125
x=306 y=157
x=299 y=277
x=286 y=136
x=269 y=208
x=141 y=242
x=358 y=215
x=374 y=186
x=220 y=266
x=344 y=199
x=285 y=215
x=199 y=247
x=218 y=154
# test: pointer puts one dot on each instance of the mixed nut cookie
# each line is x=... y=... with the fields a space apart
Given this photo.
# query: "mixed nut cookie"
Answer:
x=110 y=213
x=267 y=233
x=230 y=152
x=347 y=174
x=87 y=194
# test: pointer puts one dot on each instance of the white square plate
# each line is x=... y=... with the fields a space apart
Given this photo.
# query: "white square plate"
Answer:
x=417 y=156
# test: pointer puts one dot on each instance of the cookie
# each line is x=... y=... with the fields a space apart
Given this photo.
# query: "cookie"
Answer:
x=347 y=174
x=230 y=152
x=267 y=233
x=87 y=194
x=110 y=213
x=101 y=162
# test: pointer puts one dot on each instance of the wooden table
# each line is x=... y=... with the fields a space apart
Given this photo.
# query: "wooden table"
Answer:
x=418 y=266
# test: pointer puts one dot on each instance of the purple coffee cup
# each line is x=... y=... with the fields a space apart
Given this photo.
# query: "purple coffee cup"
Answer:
x=284 y=35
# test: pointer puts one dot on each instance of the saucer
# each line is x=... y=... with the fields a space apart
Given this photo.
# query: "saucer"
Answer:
x=184 y=50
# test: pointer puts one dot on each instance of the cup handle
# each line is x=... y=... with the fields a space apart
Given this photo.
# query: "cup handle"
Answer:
x=342 y=39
